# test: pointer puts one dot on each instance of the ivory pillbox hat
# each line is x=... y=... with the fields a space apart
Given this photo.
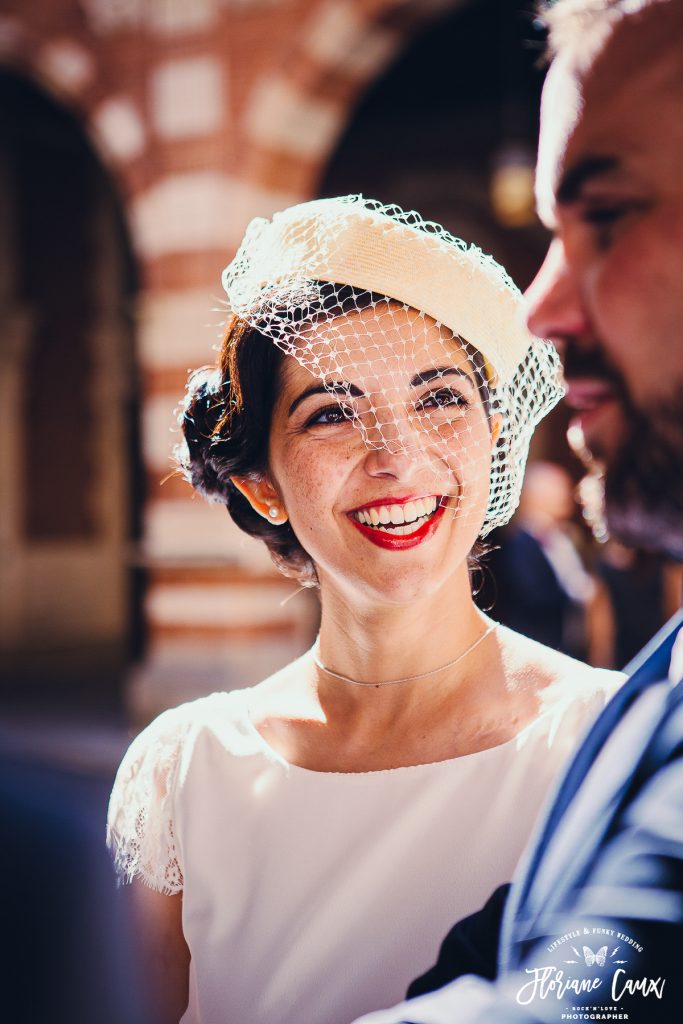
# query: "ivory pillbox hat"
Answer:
x=354 y=241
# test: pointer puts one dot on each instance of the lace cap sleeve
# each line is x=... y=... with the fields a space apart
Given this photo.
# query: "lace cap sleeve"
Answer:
x=140 y=822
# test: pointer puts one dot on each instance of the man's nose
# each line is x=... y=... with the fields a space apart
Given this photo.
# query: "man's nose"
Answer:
x=553 y=300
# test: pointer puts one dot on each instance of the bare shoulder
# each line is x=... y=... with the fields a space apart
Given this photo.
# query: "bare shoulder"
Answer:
x=534 y=667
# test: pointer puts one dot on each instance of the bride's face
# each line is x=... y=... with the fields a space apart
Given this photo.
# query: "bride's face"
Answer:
x=384 y=468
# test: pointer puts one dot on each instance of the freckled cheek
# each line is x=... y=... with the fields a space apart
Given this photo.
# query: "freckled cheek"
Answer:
x=468 y=456
x=309 y=483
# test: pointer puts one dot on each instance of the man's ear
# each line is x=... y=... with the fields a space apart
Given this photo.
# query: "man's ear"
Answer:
x=262 y=496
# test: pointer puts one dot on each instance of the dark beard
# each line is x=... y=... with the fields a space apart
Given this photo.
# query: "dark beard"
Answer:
x=644 y=483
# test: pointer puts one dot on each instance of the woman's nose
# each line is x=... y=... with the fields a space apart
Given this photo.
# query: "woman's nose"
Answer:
x=391 y=460
x=553 y=299
x=398 y=445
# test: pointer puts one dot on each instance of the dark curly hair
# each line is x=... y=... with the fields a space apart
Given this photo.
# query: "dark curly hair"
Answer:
x=226 y=421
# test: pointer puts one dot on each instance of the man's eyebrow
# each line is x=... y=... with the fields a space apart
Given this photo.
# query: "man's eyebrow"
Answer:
x=335 y=387
x=572 y=183
x=425 y=376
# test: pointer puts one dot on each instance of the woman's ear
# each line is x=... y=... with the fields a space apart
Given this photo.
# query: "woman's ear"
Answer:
x=262 y=496
x=496 y=427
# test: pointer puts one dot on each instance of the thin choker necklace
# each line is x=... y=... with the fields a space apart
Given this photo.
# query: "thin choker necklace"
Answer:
x=405 y=679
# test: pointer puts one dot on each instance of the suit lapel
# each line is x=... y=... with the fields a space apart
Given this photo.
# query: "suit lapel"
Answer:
x=571 y=848
x=648 y=667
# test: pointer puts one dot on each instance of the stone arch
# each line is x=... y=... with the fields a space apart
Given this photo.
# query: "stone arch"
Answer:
x=74 y=68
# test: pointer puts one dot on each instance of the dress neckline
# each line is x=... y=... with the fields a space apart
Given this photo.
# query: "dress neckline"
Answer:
x=423 y=767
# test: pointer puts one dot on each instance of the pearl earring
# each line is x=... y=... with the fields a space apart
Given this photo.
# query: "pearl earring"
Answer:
x=273 y=511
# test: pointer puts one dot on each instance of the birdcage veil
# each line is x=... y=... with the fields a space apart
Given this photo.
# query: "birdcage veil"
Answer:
x=364 y=296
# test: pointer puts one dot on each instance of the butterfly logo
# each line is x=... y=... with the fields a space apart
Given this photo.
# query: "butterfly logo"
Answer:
x=599 y=957
x=595 y=958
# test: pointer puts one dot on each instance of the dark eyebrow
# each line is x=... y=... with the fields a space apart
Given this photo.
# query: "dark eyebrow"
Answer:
x=425 y=376
x=337 y=387
x=569 y=188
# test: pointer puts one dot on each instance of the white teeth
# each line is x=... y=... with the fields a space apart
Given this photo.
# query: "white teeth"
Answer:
x=401 y=519
x=396 y=513
x=410 y=512
x=401 y=531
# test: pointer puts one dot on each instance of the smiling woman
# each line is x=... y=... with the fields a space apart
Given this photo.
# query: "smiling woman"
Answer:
x=310 y=839
x=227 y=418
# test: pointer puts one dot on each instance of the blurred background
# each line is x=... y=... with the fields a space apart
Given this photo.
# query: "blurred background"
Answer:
x=138 y=138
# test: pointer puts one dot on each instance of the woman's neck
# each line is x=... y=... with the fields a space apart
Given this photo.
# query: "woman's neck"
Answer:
x=374 y=642
x=323 y=723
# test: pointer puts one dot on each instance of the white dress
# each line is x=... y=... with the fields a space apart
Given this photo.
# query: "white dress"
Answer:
x=314 y=897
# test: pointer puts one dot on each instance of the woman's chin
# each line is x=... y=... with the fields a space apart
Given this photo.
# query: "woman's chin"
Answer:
x=391 y=587
x=372 y=576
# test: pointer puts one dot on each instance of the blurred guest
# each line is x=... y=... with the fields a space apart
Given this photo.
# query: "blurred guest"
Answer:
x=643 y=591
x=542 y=588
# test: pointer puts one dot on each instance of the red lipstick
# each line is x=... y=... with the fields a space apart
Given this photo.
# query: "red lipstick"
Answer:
x=384 y=539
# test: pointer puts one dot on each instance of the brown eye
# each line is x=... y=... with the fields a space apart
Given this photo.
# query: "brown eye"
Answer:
x=442 y=399
x=331 y=415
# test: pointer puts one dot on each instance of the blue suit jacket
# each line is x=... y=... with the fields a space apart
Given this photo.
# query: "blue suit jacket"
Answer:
x=605 y=870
